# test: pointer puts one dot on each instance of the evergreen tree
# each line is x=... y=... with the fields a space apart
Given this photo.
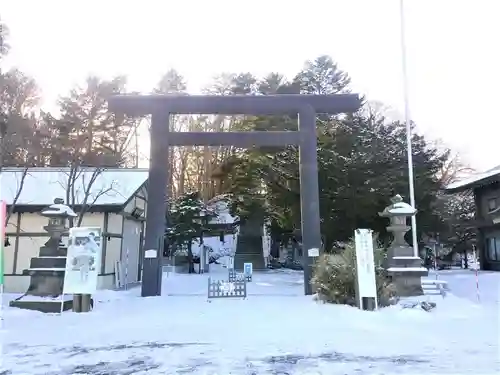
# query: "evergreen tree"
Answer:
x=187 y=218
x=362 y=162
x=87 y=133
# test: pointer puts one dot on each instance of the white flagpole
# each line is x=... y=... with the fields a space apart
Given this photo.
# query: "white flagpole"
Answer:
x=406 y=96
x=476 y=267
x=2 y=228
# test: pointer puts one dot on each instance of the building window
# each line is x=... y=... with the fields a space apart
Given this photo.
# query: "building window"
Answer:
x=493 y=248
x=492 y=204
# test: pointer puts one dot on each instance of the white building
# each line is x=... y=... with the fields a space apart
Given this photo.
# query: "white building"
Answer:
x=116 y=202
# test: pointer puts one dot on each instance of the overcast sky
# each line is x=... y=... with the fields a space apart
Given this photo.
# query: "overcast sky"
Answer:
x=453 y=53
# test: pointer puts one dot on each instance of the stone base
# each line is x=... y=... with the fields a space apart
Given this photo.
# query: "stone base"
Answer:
x=50 y=252
x=405 y=261
x=406 y=272
x=48 y=262
x=409 y=286
x=45 y=282
x=52 y=306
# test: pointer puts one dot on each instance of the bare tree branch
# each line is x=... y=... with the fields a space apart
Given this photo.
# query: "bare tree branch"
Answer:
x=453 y=169
x=90 y=198
x=20 y=186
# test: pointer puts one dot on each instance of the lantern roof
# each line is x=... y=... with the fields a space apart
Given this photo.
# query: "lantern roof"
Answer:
x=398 y=208
x=58 y=209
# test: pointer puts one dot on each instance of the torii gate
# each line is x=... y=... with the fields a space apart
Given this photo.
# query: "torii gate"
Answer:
x=162 y=106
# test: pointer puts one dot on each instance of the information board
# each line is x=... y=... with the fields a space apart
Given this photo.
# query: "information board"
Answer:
x=365 y=265
x=83 y=260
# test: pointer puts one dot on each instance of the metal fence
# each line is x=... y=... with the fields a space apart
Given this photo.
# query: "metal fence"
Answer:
x=236 y=276
x=225 y=289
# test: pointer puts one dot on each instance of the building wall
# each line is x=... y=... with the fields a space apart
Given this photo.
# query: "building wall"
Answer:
x=487 y=203
x=133 y=229
x=26 y=235
x=487 y=196
x=138 y=201
x=114 y=243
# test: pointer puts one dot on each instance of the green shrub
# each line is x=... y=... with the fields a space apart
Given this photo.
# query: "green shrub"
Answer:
x=334 y=278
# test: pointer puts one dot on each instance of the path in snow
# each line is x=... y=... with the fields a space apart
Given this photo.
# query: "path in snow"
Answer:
x=275 y=331
x=463 y=284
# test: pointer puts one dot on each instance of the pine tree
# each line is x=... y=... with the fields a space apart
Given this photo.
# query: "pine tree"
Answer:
x=187 y=218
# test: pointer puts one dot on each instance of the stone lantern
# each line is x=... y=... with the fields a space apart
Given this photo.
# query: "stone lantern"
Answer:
x=47 y=269
x=58 y=214
x=403 y=266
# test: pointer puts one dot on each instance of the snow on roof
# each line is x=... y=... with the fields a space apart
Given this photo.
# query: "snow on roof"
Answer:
x=42 y=185
x=474 y=178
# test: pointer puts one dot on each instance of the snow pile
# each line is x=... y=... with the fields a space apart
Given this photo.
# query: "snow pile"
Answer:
x=276 y=330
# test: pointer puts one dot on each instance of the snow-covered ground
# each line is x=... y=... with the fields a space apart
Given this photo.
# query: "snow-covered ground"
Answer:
x=276 y=330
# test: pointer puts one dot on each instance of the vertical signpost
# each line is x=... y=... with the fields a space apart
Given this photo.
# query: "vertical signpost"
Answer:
x=83 y=263
x=365 y=270
x=126 y=268
x=3 y=216
x=248 y=271
x=312 y=254
x=206 y=255
x=266 y=244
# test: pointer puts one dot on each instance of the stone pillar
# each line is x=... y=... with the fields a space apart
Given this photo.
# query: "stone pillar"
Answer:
x=309 y=192
x=403 y=267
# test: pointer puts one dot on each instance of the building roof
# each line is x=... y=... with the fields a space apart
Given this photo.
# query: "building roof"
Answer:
x=41 y=186
x=475 y=180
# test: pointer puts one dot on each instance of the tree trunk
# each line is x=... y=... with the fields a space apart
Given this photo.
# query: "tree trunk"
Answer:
x=171 y=167
x=190 y=257
x=182 y=173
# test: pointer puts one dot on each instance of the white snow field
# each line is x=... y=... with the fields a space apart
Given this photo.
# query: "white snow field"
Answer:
x=276 y=330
